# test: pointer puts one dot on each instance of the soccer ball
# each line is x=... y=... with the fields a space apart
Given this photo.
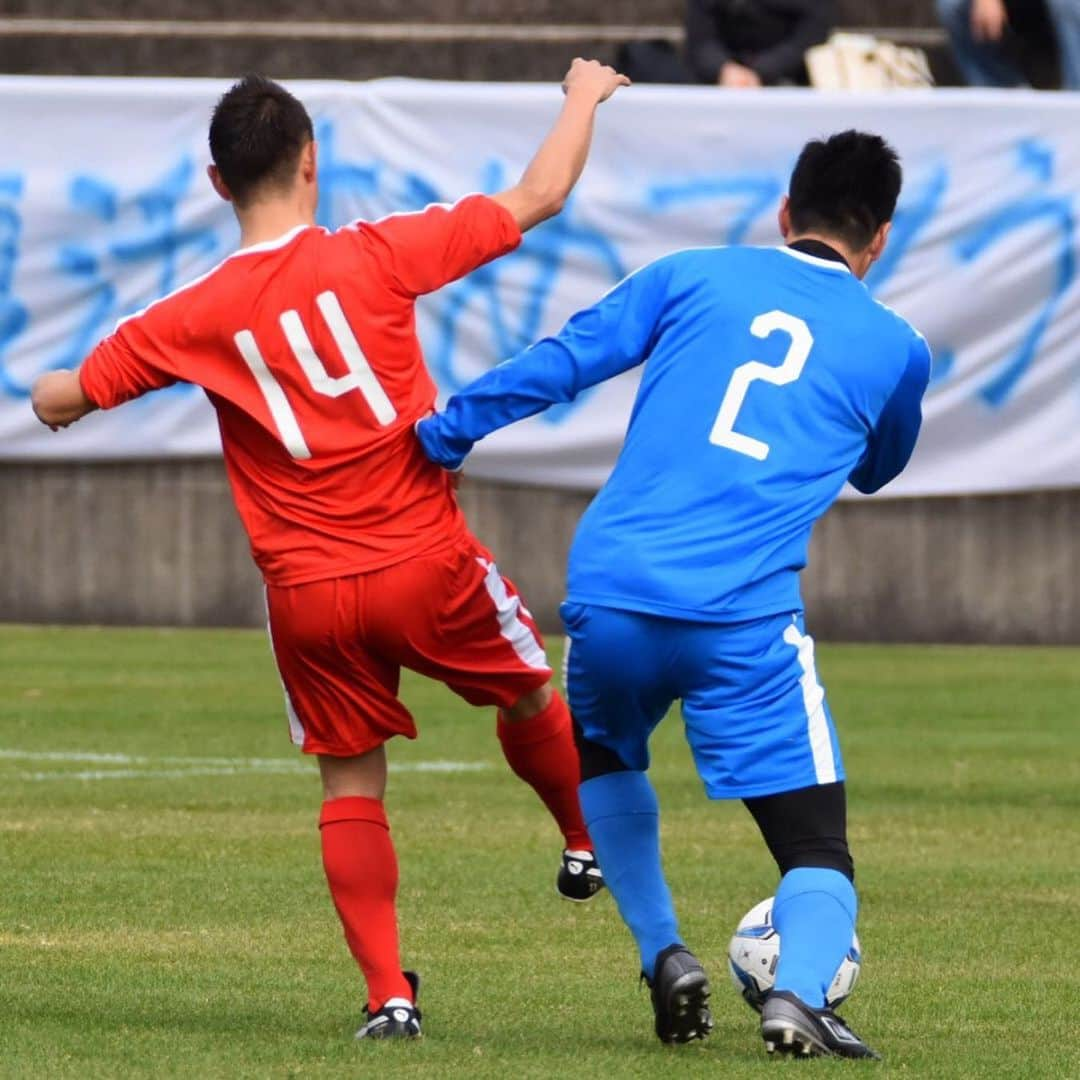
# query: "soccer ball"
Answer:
x=755 y=949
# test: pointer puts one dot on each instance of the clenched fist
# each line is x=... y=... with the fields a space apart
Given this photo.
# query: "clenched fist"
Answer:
x=593 y=79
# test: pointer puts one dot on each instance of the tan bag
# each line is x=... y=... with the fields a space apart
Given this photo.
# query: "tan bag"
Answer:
x=863 y=62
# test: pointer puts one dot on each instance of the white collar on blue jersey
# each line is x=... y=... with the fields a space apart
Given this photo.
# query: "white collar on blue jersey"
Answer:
x=813 y=260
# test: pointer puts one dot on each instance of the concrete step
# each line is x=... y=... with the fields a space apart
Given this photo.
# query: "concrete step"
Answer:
x=176 y=55
x=510 y=61
x=631 y=13
x=627 y=12
x=191 y=38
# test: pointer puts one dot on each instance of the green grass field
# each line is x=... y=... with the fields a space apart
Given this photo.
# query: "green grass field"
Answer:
x=163 y=912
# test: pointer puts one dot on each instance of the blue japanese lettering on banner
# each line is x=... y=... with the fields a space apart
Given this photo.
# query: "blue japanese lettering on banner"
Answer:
x=14 y=315
x=96 y=266
x=340 y=178
x=125 y=231
x=758 y=192
x=1039 y=207
x=158 y=238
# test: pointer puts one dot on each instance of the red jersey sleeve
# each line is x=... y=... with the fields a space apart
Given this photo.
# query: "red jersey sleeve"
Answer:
x=429 y=249
x=130 y=362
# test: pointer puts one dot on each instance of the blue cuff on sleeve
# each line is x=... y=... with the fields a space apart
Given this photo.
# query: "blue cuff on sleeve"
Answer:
x=448 y=453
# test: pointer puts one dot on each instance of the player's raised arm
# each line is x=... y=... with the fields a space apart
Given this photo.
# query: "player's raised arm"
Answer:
x=552 y=174
x=612 y=336
x=58 y=399
x=425 y=251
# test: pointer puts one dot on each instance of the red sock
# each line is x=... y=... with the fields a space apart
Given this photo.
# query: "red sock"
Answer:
x=361 y=869
x=541 y=751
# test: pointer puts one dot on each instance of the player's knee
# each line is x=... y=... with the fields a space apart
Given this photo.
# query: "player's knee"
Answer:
x=363 y=776
x=596 y=760
x=530 y=704
x=823 y=853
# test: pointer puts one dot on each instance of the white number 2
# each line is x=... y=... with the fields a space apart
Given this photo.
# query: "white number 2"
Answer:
x=360 y=376
x=723 y=431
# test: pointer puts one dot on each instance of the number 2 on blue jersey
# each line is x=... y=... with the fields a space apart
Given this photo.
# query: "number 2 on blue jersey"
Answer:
x=723 y=431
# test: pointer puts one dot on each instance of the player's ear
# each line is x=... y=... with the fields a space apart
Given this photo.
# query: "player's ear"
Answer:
x=309 y=166
x=881 y=238
x=217 y=183
x=783 y=218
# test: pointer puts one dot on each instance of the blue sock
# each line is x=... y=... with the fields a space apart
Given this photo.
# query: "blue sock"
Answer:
x=814 y=913
x=623 y=819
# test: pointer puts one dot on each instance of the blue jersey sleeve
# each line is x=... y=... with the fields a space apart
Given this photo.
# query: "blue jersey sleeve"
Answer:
x=610 y=337
x=892 y=438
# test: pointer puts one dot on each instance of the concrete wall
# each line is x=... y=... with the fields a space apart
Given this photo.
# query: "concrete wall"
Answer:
x=154 y=543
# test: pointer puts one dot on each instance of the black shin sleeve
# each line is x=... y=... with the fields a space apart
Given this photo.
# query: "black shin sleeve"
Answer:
x=596 y=760
x=807 y=827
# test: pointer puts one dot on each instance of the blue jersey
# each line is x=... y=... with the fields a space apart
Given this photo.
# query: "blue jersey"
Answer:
x=771 y=377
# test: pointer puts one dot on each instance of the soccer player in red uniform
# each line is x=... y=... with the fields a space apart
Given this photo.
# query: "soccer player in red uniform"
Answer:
x=305 y=343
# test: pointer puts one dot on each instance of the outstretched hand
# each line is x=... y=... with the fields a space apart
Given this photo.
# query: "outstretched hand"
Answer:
x=591 y=78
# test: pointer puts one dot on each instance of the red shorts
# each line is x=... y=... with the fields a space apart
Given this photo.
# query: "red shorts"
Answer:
x=340 y=646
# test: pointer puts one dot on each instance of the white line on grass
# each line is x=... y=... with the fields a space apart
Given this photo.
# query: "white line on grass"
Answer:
x=138 y=759
x=174 y=768
x=148 y=774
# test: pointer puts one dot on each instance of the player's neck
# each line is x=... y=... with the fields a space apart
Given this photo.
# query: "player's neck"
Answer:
x=838 y=246
x=271 y=219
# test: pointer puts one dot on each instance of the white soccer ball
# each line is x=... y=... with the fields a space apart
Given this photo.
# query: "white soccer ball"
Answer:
x=755 y=950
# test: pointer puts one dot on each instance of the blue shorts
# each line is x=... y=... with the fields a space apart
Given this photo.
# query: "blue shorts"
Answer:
x=754 y=710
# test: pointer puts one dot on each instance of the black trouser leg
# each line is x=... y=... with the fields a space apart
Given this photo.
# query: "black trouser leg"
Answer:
x=596 y=760
x=806 y=827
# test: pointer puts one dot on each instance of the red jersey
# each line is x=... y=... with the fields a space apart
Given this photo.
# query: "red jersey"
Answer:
x=307 y=348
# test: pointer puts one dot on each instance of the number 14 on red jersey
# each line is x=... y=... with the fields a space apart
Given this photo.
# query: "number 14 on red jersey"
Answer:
x=360 y=376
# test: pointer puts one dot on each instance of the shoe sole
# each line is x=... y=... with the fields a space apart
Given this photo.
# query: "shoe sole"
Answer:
x=398 y=1033
x=789 y=1040
x=688 y=1012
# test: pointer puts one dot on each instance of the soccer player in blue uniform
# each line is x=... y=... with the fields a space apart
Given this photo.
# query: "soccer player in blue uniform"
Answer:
x=771 y=378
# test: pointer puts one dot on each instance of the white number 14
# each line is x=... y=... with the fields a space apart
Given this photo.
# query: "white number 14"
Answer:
x=360 y=376
x=723 y=431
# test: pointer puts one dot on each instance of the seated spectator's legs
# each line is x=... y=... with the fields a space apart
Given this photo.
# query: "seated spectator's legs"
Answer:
x=982 y=63
x=653 y=62
x=1065 y=15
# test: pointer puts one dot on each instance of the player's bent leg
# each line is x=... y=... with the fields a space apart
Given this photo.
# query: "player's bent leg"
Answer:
x=537 y=740
x=362 y=872
x=466 y=626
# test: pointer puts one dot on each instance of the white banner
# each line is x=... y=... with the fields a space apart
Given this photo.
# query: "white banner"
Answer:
x=104 y=206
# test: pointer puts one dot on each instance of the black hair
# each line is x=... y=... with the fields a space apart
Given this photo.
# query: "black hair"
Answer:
x=256 y=135
x=845 y=186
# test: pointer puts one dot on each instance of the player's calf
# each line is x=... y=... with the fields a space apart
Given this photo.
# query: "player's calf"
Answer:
x=538 y=743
